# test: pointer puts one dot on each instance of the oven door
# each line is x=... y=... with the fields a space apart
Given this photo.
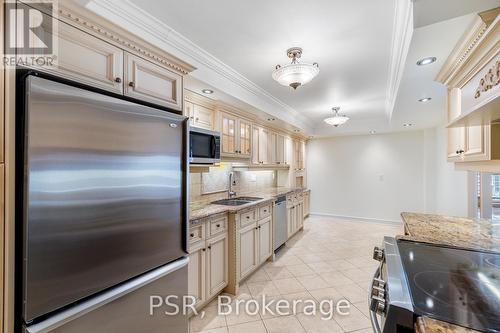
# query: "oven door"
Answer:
x=204 y=146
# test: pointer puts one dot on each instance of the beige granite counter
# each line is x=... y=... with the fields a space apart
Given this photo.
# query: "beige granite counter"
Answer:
x=429 y=325
x=201 y=210
x=476 y=234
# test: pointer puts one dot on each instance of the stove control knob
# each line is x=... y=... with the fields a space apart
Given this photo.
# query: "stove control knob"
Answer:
x=378 y=291
x=377 y=305
x=378 y=254
x=379 y=283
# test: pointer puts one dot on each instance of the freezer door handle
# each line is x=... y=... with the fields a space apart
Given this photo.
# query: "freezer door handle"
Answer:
x=99 y=301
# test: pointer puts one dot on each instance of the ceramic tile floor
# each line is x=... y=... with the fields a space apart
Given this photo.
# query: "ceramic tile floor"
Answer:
x=330 y=259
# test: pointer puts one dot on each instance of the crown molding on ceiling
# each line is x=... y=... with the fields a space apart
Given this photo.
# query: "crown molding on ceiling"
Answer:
x=401 y=39
x=131 y=17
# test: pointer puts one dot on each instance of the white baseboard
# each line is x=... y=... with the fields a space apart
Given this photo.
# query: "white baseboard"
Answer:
x=359 y=219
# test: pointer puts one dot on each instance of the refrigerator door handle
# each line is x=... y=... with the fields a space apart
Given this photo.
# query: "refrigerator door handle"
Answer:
x=98 y=301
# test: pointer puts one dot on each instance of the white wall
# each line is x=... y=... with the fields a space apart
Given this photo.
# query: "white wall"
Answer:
x=379 y=176
x=446 y=188
x=372 y=176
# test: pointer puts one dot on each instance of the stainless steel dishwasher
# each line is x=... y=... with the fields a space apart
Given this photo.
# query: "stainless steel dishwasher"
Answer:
x=280 y=233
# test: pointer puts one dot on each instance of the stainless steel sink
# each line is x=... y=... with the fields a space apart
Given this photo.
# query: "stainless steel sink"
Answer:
x=236 y=201
x=248 y=198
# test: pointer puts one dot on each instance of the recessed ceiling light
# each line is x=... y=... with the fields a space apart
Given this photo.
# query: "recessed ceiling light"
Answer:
x=373 y=132
x=426 y=61
x=271 y=119
x=426 y=99
x=407 y=125
x=296 y=130
x=207 y=91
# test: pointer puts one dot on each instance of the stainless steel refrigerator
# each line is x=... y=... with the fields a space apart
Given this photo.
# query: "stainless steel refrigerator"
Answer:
x=104 y=211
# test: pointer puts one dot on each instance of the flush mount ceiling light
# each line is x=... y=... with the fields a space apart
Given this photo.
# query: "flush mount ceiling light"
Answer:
x=426 y=99
x=426 y=61
x=207 y=91
x=337 y=119
x=295 y=74
x=373 y=132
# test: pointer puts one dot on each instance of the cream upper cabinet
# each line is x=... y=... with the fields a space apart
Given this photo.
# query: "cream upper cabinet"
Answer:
x=299 y=154
x=87 y=59
x=272 y=148
x=217 y=264
x=456 y=142
x=196 y=274
x=265 y=239
x=477 y=143
x=236 y=136
x=264 y=143
x=280 y=149
x=248 y=251
x=255 y=145
x=288 y=151
x=228 y=134
x=199 y=116
x=244 y=138
x=149 y=82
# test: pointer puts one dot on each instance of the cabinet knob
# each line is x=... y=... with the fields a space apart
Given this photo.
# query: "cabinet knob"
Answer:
x=197 y=119
x=209 y=247
x=461 y=151
x=118 y=80
x=217 y=225
x=191 y=235
x=248 y=217
x=131 y=84
x=204 y=250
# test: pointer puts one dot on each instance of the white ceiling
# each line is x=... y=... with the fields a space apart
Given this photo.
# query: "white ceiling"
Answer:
x=236 y=44
x=432 y=11
x=351 y=47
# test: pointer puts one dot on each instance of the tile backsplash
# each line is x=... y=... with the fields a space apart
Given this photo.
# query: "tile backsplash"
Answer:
x=207 y=187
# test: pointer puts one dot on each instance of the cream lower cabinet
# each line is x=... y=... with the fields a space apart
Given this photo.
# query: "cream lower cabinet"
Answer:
x=265 y=239
x=208 y=258
x=216 y=262
x=248 y=249
x=254 y=239
x=295 y=213
x=307 y=203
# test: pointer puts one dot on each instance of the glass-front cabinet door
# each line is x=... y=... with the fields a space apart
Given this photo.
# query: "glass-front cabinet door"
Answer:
x=245 y=138
x=228 y=134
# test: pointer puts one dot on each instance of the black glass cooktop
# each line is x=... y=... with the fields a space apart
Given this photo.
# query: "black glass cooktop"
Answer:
x=454 y=285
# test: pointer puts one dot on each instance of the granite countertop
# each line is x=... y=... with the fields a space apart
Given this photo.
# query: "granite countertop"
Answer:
x=201 y=210
x=475 y=234
x=429 y=325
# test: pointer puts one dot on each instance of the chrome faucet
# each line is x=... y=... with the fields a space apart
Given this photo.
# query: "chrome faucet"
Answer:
x=230 y=192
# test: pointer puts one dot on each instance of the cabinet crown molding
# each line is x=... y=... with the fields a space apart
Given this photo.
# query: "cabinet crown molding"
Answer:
x=88 y=21
x=475 y=48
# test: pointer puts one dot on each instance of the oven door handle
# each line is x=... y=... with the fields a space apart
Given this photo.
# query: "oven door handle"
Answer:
x=373 y=315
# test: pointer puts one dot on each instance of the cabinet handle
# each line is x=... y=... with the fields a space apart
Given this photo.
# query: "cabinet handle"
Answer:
x=191 y=235
x=260 y=226
x=131 y=84
x=248 y=217
x=204 y=250
x=210 y=247
x=217 y=225
x=118 y=80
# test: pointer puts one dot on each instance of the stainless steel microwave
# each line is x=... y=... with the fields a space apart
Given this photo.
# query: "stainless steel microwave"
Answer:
x=204 y=146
